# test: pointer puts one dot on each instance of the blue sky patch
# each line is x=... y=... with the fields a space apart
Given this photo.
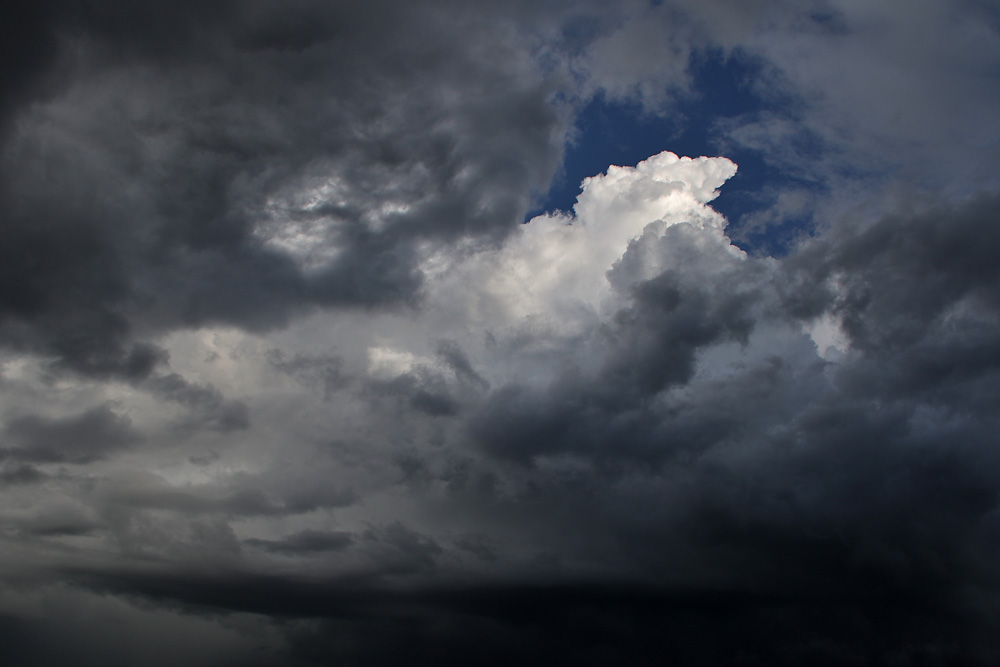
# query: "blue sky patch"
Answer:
x=618 y=132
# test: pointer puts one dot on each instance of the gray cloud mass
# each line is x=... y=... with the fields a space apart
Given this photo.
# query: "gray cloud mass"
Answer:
x=288 y=377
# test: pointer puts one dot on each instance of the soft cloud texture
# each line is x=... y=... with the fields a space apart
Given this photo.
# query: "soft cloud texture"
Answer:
x=285 y=379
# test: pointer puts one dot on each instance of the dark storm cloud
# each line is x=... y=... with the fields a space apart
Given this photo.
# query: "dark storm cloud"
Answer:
x=89 y=436
x=323 y=372
x=58 y=521
x=919 y=295
x=72 y=633
x=399 y=550
x=667 y=325
x=790 y=511
x=422 y=389
x=209 y=409
x=652 y=345
x=28 y=51
x=541 y=624
x=154 y=183
x=454 y=356
x=856 y=489
x=610 y=623
x=241 y=495
x=682 y=478
x=305 y=543
x=20 y=473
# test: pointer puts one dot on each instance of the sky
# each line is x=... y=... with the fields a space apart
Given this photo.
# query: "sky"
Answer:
x=536 y=333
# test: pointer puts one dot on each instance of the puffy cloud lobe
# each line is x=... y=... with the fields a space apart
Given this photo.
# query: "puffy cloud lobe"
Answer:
x=552 y=271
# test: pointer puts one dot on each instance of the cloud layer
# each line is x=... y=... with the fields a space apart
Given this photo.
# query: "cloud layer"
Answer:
x=285 y=378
